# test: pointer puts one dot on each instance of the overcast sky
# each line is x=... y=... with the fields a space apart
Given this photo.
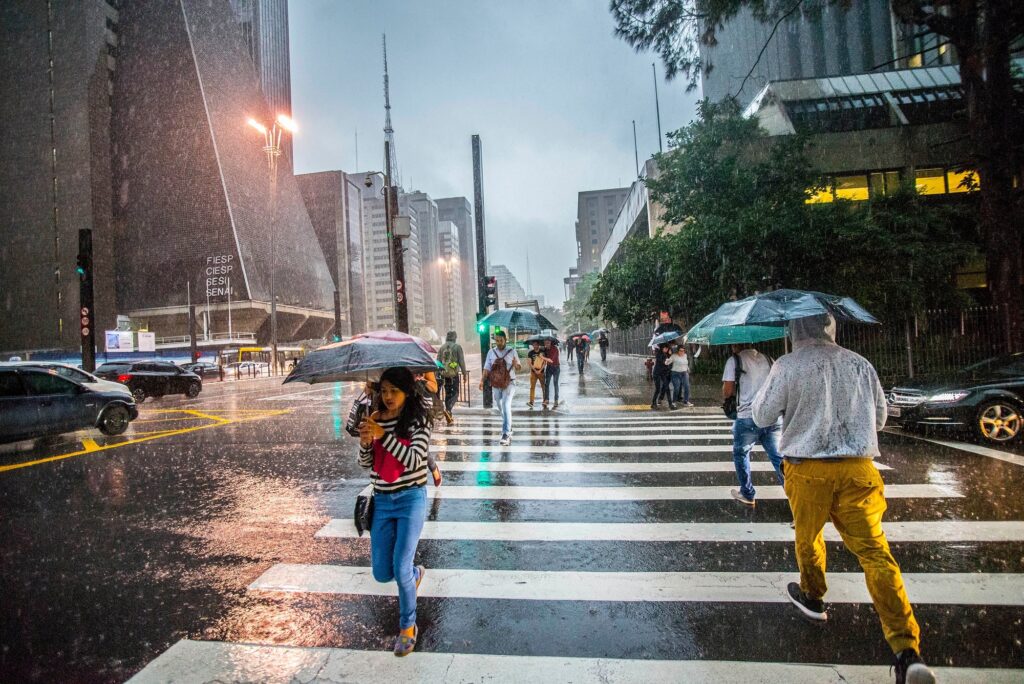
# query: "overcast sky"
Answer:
x=547 y=86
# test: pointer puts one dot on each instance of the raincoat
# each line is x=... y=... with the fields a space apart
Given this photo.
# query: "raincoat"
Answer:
x=830 y=399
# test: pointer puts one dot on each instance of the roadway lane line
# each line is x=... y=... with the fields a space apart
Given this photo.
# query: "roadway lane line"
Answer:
x=584 y=449
x=929 y=531
x=561 y=429
x=616 y=420
x=600 y=467
x=710 y=492
x=964 y=589
x=591 y=438
x=218 y=661
x=971 y=448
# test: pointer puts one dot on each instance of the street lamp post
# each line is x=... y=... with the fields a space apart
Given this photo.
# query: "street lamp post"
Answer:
x=272 y=148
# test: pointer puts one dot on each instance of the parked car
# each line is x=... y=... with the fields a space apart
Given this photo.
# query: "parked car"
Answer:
x=203 y=369
x=74 y=374
x=152 y=378
x=247 y=369
x=37 y=402
x=986 y=398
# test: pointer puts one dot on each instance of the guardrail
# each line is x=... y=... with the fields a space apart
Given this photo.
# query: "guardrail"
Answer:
x=214 y=337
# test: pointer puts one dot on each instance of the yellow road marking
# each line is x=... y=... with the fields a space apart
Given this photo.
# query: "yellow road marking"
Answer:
x=90 y=445
x=164 y=420
x=168 y=433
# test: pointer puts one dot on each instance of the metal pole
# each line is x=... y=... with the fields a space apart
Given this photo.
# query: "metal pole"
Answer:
x=636 y=151
x=230 y=334
x=910 y=356
x=657 y=107
x=481 y=256
x=397 y=258
x=273 y=254
x=337 y=314
x=87 y=320
x=191 y=322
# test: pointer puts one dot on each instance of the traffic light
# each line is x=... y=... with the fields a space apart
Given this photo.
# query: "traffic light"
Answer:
x=491 y=291
x=481 y=327
x=84 y=265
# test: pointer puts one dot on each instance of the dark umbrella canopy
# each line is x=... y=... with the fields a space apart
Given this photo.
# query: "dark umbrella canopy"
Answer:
x=664 y=338
x=363 y=358
x=781 y=306
x=541 y=338
x=523 y=320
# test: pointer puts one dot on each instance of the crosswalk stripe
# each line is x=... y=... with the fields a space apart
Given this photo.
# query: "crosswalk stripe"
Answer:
x=559 y=430
x=594 y=438
x=208 y=661
x=571 y=418
x=604 y=467
x=993 y=589
x=928 y=531
x=907 y=491
x=583 y=449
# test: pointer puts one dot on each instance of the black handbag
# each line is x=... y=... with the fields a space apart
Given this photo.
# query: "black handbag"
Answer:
x=730 y=405
x=364 y=510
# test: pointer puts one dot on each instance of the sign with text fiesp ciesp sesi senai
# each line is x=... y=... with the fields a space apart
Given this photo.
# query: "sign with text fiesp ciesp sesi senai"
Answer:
x=218 y=275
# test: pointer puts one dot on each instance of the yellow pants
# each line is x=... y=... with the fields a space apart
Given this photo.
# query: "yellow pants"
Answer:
x=533 y=384
x=850 y=493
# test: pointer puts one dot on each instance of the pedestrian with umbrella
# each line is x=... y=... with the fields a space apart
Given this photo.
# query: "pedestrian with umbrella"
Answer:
x=833 y=406
x=603 y=342
x=552 y=368
x=500 y=369
x=536 y=361
x=662 y=379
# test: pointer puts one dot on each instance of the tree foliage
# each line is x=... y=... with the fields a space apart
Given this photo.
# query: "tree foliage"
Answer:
x=738 y=199
x=578 y=313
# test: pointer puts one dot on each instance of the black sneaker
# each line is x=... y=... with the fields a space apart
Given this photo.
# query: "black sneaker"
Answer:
x=811 y=608
x=910 y=669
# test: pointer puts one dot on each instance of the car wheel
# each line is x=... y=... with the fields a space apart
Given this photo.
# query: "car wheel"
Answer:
x=999 y=421
x=114 y=420
x=139 y=394
x=193 y=390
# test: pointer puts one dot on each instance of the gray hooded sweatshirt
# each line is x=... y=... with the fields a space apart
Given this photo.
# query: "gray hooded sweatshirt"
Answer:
x=830 y=399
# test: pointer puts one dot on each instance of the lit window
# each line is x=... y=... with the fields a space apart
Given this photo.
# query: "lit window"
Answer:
x=820 y=195
x=930 y=181
x=852 y=187
x=965 y=180
x=884 y=182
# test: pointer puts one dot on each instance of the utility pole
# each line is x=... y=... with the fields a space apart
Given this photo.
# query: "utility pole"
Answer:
x=636 y=151
x=401 y=296
x=85 y=299
x=481 y=257
x=657 y=107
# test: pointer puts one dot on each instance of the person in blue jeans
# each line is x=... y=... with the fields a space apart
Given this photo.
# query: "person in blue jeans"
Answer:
x=553 y=368
x=394 y=443
x=745 y=373
x=502 y=395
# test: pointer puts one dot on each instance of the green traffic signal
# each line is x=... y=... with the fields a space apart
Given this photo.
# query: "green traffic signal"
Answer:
x=481 y=328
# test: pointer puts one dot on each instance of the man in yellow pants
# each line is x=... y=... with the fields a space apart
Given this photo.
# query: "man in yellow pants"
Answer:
x=832 y=406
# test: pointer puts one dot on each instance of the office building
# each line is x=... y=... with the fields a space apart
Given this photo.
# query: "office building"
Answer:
x=509 y=288
x=55 y=175
x=450 y=263
x=459 y=211
x=595 y=216
x=429 y=254
x=196 y=214
x=333 y=200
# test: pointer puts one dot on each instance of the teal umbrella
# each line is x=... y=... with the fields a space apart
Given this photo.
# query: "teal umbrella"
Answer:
x=710 y=331
x=521 y=320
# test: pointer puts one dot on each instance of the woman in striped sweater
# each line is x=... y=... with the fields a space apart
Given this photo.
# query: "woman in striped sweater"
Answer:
x=394 y=443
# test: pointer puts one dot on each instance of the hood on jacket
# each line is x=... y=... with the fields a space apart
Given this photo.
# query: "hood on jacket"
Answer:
x=804 y=331
x=450 y=337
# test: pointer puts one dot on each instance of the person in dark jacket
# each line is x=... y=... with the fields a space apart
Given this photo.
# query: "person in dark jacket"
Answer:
x=662 y=377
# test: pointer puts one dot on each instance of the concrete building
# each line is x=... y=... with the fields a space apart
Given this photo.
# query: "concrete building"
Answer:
x=333 y=200
x=56 y=172
x=595 y=218
x=820 y=39
x=450 y=263
x=378 y=287
x=509 y=288
x=264 y=26
x=570 y=282
x=459 y=211
x=429 y=254
x=194 y=209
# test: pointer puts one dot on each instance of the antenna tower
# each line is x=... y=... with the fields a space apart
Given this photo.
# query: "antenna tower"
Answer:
x=389 y=132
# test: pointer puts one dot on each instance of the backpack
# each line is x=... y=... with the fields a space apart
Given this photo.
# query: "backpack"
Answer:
x=499 y=375
x=449 y=361
x=731 y=403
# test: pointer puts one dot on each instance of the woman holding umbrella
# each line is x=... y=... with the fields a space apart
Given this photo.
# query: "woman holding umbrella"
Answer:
x=393 y=444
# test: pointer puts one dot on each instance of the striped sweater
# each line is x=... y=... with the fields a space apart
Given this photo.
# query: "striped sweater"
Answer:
x=413 y=458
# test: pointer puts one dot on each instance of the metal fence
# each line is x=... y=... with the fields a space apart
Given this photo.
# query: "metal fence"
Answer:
x=936 y=341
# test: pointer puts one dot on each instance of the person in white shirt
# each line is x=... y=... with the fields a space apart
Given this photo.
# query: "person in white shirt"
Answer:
x=832 y=407
x=680 y=364
x=752 y=372
x=509 y=361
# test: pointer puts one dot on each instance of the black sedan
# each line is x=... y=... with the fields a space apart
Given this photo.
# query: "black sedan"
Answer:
x=986 y=398
x=36 y=402
x=204 y=369
x=151 y=378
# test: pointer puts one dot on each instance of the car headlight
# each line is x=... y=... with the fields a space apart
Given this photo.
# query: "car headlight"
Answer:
x=947 y=397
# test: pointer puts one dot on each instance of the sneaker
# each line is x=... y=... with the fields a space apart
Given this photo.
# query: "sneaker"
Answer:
x=436 y=473
x=672 y=407
x=910 y=669
x=530 y=404
x=654 y=406
x=420 y=572
x=811 y=608
x=505 y=440
x=689 y=403
x=404 y=645
x=738 y=495
x=544 y=405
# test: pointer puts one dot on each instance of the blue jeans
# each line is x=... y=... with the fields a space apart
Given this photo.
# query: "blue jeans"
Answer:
x=503 y=399
x=551 y=374
x=395 y=532
x=744 y=435
x=681 y=387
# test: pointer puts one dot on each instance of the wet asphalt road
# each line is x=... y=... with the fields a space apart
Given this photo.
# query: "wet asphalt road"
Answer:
x=126 y=546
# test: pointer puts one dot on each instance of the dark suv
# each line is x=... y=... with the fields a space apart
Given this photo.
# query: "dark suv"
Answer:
x=37 y=402
x=152 y=378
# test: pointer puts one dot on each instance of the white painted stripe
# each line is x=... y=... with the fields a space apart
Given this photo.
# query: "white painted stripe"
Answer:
x=962 y=446
x=585 y=449
x=908 y=491
x=563 y=428
x=603 y=467
x=217 y=661
x=569 y=418
x=539 y=585
x=565 y=437
x=929 y=531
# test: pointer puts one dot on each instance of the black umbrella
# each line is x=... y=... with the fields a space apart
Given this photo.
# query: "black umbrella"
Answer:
x=363 y=357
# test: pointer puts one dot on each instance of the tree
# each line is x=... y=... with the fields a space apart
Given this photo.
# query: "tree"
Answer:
x=577 y=312
x=740 y=201
x=984 y=33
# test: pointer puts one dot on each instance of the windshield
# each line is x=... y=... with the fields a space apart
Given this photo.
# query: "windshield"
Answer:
x=74 y=374
x=1012 y=364
x=113 y=368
